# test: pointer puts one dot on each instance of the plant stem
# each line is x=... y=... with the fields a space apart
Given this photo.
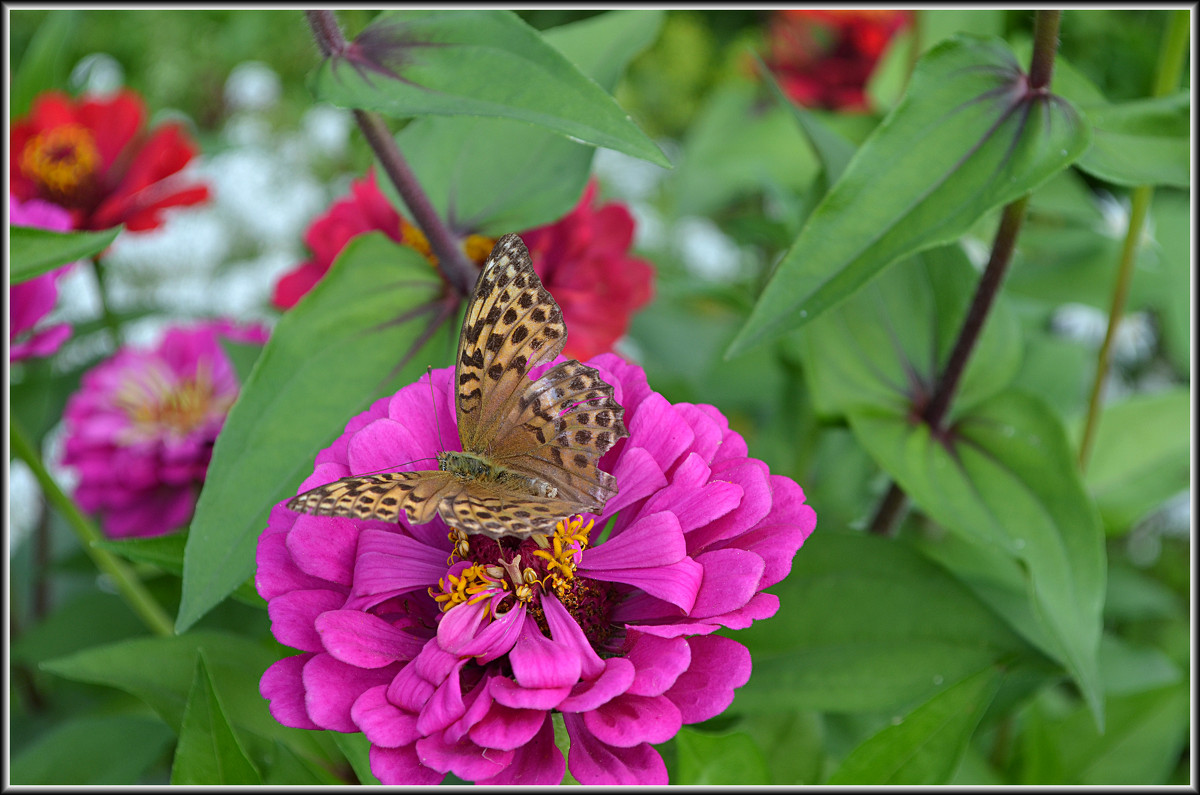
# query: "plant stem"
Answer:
x=1045 y=42
x=128 y=585
x=1166 y=79
x=110 y=319
x=452 y=262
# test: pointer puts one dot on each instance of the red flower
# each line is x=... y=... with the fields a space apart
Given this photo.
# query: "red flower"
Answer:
x=93 y=158
x=582 y=260
x=824 y=58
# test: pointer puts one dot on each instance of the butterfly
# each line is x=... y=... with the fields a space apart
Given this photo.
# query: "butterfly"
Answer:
x=530 y=449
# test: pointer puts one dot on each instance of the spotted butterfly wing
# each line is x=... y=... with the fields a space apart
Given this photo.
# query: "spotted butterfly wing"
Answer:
x=530 y=448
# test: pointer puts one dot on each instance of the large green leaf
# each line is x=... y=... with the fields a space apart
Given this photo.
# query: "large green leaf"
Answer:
x=886 y=347
x=926 y=746
x=327 y=359
x=867 y=625
x=1004 y=478
x=1141 y=456
x=475 y=63
x=539 y=174
x=968 y=137
x=708 y=759
x=1141 y=745
x=209 y=751
x=161 y=671
x=109 y=749
x=167 y=552
x=35 y=251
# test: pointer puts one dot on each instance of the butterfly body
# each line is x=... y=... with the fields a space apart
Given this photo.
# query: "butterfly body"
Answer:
x=530 y=449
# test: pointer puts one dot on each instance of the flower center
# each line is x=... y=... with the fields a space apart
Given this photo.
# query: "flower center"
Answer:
x=477 y=247
x=492 y=569
x=63 y=161
x=153 y=401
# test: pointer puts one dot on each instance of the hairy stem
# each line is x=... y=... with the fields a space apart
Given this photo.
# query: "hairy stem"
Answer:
x=1045 y=45
x=132 y=590
x=452 y=262
x=1166 y=80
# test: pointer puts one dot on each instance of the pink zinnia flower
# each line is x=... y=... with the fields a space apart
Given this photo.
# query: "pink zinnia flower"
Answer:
x=141 y=428
x=32 y=300
x=582 y=258
x=453 y=660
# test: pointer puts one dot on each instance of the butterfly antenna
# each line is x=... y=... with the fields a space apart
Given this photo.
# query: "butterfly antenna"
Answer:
x=437 y=427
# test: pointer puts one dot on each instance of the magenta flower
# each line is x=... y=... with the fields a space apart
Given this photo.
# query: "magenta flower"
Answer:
x=141 y=428
x=32 y=300
x=453 y=660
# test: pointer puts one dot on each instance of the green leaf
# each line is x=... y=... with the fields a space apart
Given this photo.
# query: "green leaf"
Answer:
x=1139 y=458
x=475 y=63
x=84 y=619
x=43 y=66
x=160 y=671
x=1004 y=478
x=1130 y=668
x=110 y=749
x=540 y=174
x=1144 y=142
x=928 y=744
x=242 y=355
x=326 y=360
x=900 y=627
x=967 y=138
x=167 y=552
x=737 y=147
x=833 y=151
x=887 y=346
x=209 y=751
x=1141 y=745
x=708 y=759
x=288 y=769
x=792 y=744
x=36 y=251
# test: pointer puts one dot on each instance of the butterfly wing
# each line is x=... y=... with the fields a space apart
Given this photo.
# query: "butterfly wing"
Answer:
x=491 y=510
x=381 y=496
x=512 y=323
x=560 y=427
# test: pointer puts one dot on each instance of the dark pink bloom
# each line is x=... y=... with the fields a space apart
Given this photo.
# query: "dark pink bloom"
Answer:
x=455 y=660
x=32 y=300
x=141 y=428
x=823 y=58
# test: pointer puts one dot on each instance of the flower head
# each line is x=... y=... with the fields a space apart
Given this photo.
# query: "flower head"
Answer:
x=450 y=653
x=33 y=299
x=140 y=430
x=823 y=58
x=583 y=259
x=92 y=157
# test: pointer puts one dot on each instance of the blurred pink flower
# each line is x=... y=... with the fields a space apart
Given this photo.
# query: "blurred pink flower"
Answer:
x=454 y=660
x=141 y=428
x=32 y=300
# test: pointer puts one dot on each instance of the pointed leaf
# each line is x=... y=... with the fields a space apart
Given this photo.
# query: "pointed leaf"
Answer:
x=541 y=174
x=167 y=552
x=44 y=63
x=1004 y=478
x=968 y=137
x=475 y=63
x=36 y=251
x=867 y=625
x=209 y=751
x=926 y=746
x=887 y=346
x=832 y=149
x=327 y=359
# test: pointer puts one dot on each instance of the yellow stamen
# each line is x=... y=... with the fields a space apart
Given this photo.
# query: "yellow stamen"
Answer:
x=63 y=160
